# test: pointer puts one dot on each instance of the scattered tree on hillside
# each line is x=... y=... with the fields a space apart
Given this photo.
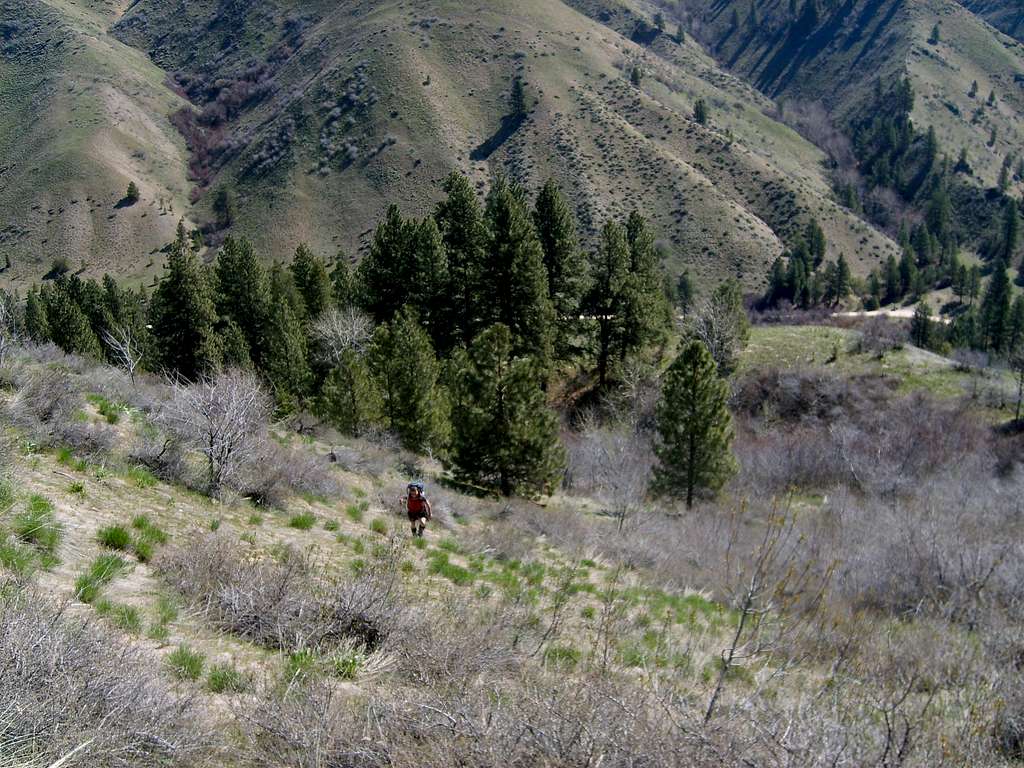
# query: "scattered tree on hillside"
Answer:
x=517 y=100
x=995 y=310
x=700 y=112
x=350 y=398
x=243 y=297
x=921 y=326
x=132 y=195
x=694 y=426
x=721 y=325
x=503 y=433
x=223 y=206
x=460 y=219
x=607 y=298
x=686 y=291
x=312 y=281
x=343 y=288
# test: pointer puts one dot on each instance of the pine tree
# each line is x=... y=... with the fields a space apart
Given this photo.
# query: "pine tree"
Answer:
x=564 y=262
x=243 y=298
x=636 y=76
x=995 y=310
x=935 y=36
x=385 y=274
x=686 y=291
x=908 y=271
x=1015 y=337
x=921 y=326
x=429 y=264
x=132 y=195
x=646 y=313
x=343 y=288
x=974 y=283
x=516 y=291
x=461 y=221
x=607 y=296
x=695 y=427
x=992 y=98
x=517 y=100
x=974 y=90
x=401 y=358
x=312 y=281
x=183 y=315
x=36 y=325
x=700 y=112
x=1010 y=238
x=504 y=435
x=893 y=286
x=349 y=398
x=69 y=326
x=224 y=207
x=285 y=360
x=814 y=236
x=842 y=279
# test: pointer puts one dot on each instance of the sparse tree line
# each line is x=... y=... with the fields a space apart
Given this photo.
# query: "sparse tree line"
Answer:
x=446 y=335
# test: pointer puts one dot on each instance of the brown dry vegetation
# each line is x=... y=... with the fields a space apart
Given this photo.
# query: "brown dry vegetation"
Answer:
x=853 y=599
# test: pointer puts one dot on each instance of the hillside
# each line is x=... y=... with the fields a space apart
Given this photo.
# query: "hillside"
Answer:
x=836 y=54
x=316 y=119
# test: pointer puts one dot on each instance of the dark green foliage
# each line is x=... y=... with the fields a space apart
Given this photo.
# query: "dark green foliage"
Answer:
x=995 y=310
x=224 y=207
x=504 y=435
x=285 y=362
x=349 y=398
x=183 y=315
x=1015 y=337
x=243 y=301
x=610 y=271
x=515 y=293
x=517 y=100
x=686 y=291
x=646 y=313
x=564 y=262
x=36 y=325
x=132 y=195
x=695 y=427
x=935 y=36
x=817 y=245
x=461 y=222
x=68 y=324
x=114 y=537
x=700 y=112
x=343 y=288
x=312 y=281
x=402 y=360
x=922 y=331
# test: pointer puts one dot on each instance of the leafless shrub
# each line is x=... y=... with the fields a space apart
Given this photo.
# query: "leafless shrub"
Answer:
x=612 y=465
x=878 y=336
x=125 y=349
x=65 y=684
x=338 y=330
x=161 y=455
x=49 y=395
x=274 y=473
x=722 y=327
x=223 y=418
x=288 y=603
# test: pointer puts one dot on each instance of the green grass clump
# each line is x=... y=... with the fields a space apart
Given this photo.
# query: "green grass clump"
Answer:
x=358 y=546
x=588 y=612
x=255 y=519
x=141 y=477
x=300 y=664
x=379 y=526
x=65 y=456
x=354 y=513
x=125 y=617
x=419 y=543
x=562 y=656
x=215 y=525
x=186 y=663
x=6 y=496
x=103 y=570
x=36 y=525
x=449 y=545
x=331 y=525
x=440 y=565
x=16 y=557
x=303 y=522
x=225 y=678
x=115 y=537
x=346 y=664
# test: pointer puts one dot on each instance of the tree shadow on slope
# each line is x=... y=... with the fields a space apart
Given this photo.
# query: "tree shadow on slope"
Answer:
x=509 y=125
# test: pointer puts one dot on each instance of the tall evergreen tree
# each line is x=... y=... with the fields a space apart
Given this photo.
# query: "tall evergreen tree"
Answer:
x=343 y=287
x=607 y=297
x=243 y=298
x=350 y=398
x=1015 y=337
x=817 y=244
x=69 y=326
x=695 y=427
x=686 y=291
x=700 y=112
x=461 y=221
x=995 y=310
x=312 y=281
x=426 y=291
x=921 y=325
x=285 y=360
x=517 y=100
x=385 y=274
x=564 y=262
x=516 y=292
x=504 y=435
x=401 y=358
x=36 y=325
x=183 y=315
x=646 y=312
x=841 y=286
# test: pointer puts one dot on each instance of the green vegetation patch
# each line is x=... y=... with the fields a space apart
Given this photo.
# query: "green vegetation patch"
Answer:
x=185 y=663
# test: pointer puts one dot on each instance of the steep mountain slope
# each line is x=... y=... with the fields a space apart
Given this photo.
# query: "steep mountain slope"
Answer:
x=82 y=115
x=835 y=52
x=315 y=117
x=1005 y=15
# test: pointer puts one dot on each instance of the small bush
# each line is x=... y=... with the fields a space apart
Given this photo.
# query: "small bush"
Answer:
x=456 y=574
x=124 y=617
x=346 y=664
x=148 y=531
x=354 y=513
x=225 y=678
x=562 y=656
x=101 y=572
x=143 y=549
x=419 y=543
x=300 y=664
x=303 y=522
x=215 y=525
x=16 y=558
x=115 y=537
x=185 y=663
x=37 y=526
x=331 y=525
x=6 y=496
x=77 y=488
x=255 y=519
x=141 y=477
x=379 y=526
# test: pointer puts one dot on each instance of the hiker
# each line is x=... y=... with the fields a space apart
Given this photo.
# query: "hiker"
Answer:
x=417 y=507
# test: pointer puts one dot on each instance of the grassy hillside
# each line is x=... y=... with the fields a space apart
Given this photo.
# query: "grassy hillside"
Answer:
x=83 y=115
x=317 y=118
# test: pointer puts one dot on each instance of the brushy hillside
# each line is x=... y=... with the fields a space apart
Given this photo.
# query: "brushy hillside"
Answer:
x=855 y=591
x=83 y=116
x=836 y=55
x=314 y=119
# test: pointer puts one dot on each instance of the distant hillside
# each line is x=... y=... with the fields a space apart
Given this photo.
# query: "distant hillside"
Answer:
x=313 y=119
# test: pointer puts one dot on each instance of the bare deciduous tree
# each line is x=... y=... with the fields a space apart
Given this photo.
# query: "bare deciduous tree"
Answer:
x=126 y=349
x=337 y=330
x=722 y=326
x=224 y=418
x=9 y=335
